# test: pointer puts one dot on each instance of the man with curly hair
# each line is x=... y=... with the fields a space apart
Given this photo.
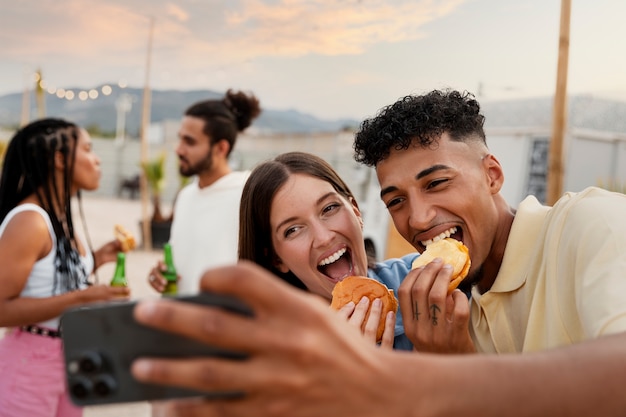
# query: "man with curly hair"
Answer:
x=547 y=281
x=541 y=277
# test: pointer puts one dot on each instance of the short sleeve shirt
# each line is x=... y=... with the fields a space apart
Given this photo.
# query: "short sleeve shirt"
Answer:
x=562 y=279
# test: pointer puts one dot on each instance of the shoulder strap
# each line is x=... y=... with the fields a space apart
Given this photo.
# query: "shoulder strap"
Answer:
x=28 y=207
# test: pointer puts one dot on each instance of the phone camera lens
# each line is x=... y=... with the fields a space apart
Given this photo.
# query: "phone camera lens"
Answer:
x=104 y=385
x=90 y=362
x=80 y=387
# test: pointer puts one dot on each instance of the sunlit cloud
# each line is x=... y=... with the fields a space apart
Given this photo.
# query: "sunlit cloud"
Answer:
x=177 y=12
x=254 y=29
x=77 y=28
x=329 y=27
x=375 y=49
x=250 y=28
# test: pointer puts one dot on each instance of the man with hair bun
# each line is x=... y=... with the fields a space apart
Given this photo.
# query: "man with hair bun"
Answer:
x=205 y=227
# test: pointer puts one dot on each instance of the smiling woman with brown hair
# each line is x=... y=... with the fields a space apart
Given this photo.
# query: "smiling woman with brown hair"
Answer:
x=299 y=220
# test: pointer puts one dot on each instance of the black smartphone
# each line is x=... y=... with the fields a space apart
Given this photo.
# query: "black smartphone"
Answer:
x=100 y=342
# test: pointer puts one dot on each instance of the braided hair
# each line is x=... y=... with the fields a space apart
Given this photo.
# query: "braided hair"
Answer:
x=29 y=168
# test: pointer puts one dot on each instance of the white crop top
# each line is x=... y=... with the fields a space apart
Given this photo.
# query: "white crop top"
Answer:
x=40 y=282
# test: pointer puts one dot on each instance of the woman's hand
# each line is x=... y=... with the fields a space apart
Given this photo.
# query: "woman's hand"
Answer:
x=107 y=253
x=356 y=316
x=103 y=292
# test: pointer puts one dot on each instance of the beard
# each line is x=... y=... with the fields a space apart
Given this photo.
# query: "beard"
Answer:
x=204 y=165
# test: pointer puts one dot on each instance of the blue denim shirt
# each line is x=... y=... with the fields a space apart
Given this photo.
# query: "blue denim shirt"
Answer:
x=391 y=273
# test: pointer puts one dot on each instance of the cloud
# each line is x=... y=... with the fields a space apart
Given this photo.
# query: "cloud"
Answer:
x=254 y=29
x=329 y=27
x=47 y=30
x=249 y=28
x=193 y=40
x=177 y=12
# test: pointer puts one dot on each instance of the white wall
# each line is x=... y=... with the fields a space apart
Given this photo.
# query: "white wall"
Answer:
x=590 y=157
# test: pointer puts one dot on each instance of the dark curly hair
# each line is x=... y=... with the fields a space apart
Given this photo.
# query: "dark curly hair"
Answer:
x=423 y=119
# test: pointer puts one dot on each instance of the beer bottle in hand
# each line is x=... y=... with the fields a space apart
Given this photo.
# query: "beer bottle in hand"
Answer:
x=119 y=277
x=171 y=288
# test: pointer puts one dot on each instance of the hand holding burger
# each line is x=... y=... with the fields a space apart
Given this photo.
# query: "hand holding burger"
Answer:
x=452 y=252
x=354 y=288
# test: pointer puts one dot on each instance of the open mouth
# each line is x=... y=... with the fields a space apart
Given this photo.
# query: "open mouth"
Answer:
x=453 y=232
x=337 y=266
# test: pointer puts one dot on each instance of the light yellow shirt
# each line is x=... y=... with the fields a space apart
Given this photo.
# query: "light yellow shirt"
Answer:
x=562 y=279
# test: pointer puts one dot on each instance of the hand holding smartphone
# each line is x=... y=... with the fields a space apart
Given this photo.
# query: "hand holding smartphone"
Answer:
x=101 y=341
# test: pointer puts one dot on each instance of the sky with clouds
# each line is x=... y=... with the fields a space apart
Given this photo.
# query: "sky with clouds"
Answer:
x=330 y=58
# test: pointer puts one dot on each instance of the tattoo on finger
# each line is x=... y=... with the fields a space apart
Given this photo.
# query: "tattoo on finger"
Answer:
x=434 y=309
x=416 y=313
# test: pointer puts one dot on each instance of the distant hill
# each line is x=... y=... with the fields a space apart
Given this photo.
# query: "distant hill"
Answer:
x=166 y=105
x=585 y=111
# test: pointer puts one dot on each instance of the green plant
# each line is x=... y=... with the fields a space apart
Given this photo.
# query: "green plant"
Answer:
x=154 y=171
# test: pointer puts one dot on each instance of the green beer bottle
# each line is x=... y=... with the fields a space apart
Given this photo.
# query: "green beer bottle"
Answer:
x=171 y=288
x=119 y=277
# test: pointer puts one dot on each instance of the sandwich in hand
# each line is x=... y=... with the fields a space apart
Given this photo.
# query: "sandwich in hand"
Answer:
x=452 y=252
x=354 y=288
x=126 y=238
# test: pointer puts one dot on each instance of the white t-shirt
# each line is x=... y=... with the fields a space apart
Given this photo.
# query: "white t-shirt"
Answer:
x=205 y=229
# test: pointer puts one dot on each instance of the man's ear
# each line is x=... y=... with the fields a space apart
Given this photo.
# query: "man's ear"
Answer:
x=495 y=173
x=223 y=147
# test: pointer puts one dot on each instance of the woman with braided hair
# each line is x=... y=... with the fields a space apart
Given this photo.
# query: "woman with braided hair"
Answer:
x=45 y=267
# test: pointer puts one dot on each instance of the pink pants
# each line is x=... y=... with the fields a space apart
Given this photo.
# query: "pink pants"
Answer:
x=32 y=379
